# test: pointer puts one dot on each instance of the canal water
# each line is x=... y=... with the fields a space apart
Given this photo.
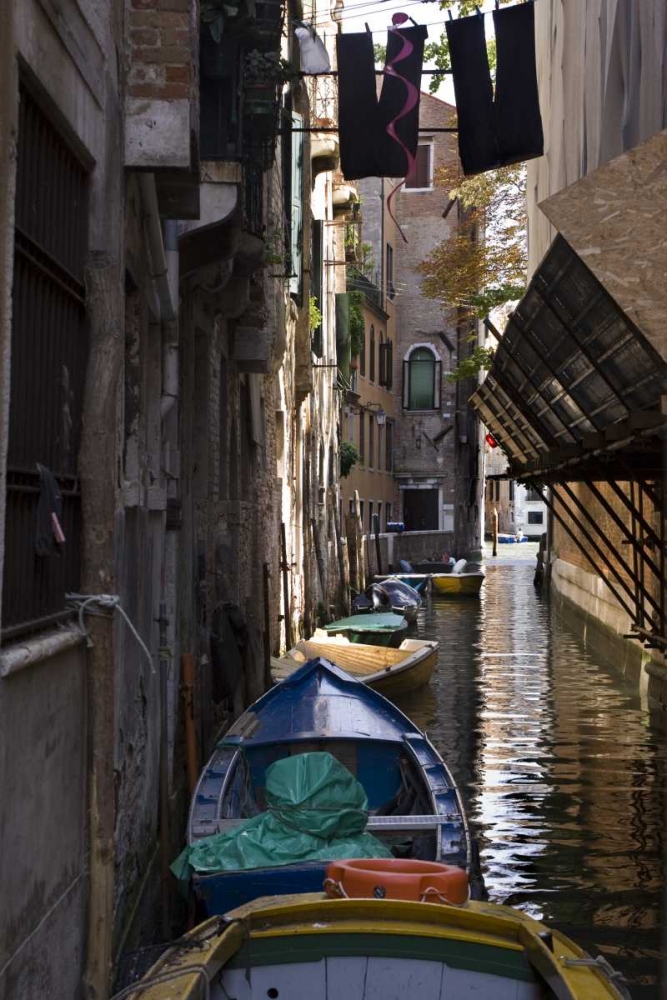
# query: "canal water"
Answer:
x=563 y=775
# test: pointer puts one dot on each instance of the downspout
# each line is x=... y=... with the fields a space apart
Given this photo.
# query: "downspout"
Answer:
x=170 y=367
x=164 y=272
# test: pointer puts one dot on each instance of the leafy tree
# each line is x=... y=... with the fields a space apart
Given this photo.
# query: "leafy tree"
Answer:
x=483 y=264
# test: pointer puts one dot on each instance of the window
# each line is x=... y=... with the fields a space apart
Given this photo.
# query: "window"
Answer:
x=535 y=517
x=350 y=426
x=421 y=380
x=386 y=363
x=316 y=268
x=351 y=503
x=387 y=514
x=371 y=359
x=379 y=516
x=391 y=291
x=362 y=435
x=295 y=181
x=371 y=440
x=511 y=490
x=361 y=512
x=362 y=357
x=49 y=344
x=380 y=442
x=389 y=445
x=421 y=177
x=370 y=515
x=532 y=495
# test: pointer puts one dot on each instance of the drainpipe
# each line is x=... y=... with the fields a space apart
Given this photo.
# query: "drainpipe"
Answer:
x=159 y=272
x=170 y=372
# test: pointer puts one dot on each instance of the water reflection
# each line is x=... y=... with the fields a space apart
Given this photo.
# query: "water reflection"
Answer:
x=563 y=774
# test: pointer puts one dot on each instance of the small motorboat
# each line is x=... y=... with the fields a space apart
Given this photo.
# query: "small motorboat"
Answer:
x=458 y=582
x=372 y=629
x=392 y=672
x=339 y=949
x=389 y=595
x=414 y=806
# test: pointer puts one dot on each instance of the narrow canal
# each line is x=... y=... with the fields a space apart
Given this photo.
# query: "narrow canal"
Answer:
x=563 y=775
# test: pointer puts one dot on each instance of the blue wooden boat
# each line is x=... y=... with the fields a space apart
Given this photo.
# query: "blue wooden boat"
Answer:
x=415 y=807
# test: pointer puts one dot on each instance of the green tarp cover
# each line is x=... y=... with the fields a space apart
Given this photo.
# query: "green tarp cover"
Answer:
x=317 y=811
x=381 y=622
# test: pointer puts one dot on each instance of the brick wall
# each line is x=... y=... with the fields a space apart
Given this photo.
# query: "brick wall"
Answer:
x=162 y=109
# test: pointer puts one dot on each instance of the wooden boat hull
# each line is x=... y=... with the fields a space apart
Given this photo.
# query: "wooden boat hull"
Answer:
x=458 y=584
x=412 y=797
x=329 y=949
x=392 y=672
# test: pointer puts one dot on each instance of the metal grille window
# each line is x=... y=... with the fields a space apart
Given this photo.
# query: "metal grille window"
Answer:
x=421 y=380
x=49 y=351
x=386 y=364
x=389 y=446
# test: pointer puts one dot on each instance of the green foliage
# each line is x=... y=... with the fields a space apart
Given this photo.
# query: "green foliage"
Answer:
x=314 y=315
x=357 y=326
x=349 y=457
x=380 y=52
x=267 y=67
x=479 y=360
x=483 y=263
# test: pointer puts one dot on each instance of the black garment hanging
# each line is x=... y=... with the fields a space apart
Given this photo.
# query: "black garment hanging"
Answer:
x=49 y=535
x=366 y=148
x=506 y=130
x=517 y=119
x=474 y=93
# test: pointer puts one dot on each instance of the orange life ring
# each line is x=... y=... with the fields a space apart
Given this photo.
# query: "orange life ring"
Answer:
x=394 y=878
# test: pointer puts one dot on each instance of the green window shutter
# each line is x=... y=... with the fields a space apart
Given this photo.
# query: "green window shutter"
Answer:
x=296 y=220
x=422 y=379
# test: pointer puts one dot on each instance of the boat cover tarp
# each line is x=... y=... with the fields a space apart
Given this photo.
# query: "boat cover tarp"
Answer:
x=316 y=811
x=378 y=622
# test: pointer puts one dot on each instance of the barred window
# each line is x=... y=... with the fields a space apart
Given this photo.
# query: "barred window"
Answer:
x=49 y=353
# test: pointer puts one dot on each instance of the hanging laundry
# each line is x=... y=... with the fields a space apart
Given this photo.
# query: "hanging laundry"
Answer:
x=518 y=123
x=314 y=56
x=367 y=146
x=507 y=129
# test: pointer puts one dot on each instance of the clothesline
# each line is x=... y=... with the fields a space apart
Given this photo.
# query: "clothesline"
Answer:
x=334 y=128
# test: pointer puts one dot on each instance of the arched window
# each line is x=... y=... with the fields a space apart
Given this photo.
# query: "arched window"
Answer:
x=371 y=360
x=421 y=380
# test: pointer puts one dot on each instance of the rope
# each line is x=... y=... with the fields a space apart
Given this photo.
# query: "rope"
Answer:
x=336 y=886
x=601 y=963
x=112 y=603
x=166 y=977
x=432 y=891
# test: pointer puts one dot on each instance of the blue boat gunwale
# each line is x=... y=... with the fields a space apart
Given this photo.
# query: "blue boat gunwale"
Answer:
x=437 y=781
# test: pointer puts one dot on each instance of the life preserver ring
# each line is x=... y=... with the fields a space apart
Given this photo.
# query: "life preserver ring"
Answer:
x=395 y=878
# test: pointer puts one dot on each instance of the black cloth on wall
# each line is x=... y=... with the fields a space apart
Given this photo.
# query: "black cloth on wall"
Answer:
x=506 y=130
x=366 y=149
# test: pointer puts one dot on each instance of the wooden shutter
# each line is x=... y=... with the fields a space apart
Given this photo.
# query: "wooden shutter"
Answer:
x=406 y=385
x=296 y=218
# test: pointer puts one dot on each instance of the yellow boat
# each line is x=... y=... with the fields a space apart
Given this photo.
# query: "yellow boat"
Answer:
x=310 y=946
x=457 y=584
x=392 y=672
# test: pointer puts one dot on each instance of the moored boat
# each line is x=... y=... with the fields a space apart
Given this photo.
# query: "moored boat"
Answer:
x=338 y=949
x=389 y=595
x=414 y=805
x=421 y=582
x=373 y=629
x=458 y=584
x=392 y=672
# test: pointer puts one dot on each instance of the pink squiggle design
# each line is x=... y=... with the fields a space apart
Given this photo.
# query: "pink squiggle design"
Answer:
x=411 y=102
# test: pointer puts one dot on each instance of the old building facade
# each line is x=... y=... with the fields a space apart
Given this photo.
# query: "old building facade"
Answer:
x=168 y=442
x=438 y=460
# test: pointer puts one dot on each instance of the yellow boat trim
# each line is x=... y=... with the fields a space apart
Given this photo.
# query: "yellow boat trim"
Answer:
x=313 y=914
x=458 y=583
